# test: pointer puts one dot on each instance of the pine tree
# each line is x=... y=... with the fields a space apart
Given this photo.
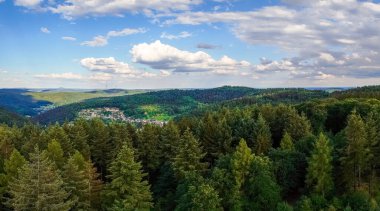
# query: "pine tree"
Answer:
x=148 y=149
x=189 y=156
x=94 y=188
x=57 y=133
x=216 y=137
x=170 y=139
x=38 y=187
x=372 y=122
x=241 y=163
x=127 y=189
x=11 y=168
x=263 y=136
x=100 y=145
x=356 y=153
x=79 y=137
x=75 y=183
x=286 y=142
x=55 y=154
x=201 y=196
x=319 y=171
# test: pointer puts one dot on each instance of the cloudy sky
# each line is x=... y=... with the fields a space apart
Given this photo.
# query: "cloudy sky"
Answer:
x=189 y=43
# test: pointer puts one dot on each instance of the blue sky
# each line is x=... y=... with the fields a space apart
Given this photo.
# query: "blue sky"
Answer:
x=188 y=43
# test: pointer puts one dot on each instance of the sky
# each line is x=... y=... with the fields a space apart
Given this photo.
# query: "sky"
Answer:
x=141 y=44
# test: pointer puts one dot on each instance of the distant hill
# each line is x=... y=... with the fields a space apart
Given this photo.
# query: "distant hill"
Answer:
x=167 y=104
x=10 y=118
x=18 y=100
x=359 y=92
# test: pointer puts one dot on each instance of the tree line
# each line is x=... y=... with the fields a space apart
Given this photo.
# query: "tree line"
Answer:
x=261 y=157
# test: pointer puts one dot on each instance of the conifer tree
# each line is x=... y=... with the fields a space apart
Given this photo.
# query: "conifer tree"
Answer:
x=11 y=170
x=356 y=153
x=189 y=156
x=216 y=137
x=100 y=145
x=79 y=137
x=38 y=187
x=201 y=196
x=287 y=142
x=319 y=171
x=92 y=194
x=170 y=139
x=75 y=182
x=148 y=149
x=127 y=190
x=57 y=133
x=55 y=154
x=372 y=122
x=263 y=136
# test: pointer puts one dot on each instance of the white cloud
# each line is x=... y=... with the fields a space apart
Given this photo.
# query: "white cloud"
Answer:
x=106 y=65
x=27 y=3
x=100 y=40
x=75 y=8
x=336 y=37
x=181 y=35
x=165 y=57
x=69 y=38
x=97 y=41
x=45 y=30
x=68 y=76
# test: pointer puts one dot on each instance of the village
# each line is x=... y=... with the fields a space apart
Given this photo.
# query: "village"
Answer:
x=115 y=114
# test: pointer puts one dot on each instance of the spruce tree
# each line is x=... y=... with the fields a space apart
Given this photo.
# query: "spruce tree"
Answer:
x=148 y=148
x=170 y=139
x=56 y=132
x=127 y=190
x=38 y=186
x=55 y=154
x=355 y=156
x=92 y=194
x=189 y=156
x=79 y=137
x=319 y=171
x=287 y=142
x=263 y=141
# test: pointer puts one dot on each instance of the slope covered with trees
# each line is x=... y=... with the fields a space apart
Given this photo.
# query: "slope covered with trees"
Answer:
x=317 y=155
x=169 y=104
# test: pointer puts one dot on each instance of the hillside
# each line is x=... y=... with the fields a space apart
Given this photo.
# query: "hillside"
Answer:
x=165 y=105
x=10 y=118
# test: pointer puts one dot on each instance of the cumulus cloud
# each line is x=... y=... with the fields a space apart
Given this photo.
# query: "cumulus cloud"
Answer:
x=181 y=35
x=106 y=65
x=100 y=40
x=334 y=37
x=106 y=68
x=45 y=30
x=165 y=57
x=67 y=76
x=69 y=38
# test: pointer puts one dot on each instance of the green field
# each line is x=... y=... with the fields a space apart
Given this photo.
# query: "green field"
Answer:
x=64 y=98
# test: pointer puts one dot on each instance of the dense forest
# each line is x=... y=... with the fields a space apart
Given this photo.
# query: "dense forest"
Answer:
x=320 y=154
x=174 y=103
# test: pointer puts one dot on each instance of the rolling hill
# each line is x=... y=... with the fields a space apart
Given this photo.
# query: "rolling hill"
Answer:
x=168 y=104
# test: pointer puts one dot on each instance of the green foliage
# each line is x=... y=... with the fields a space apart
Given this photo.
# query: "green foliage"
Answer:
x=127 y=189
x=38 y=186
x=263 y=141
x=356 y=152
x=287 y=142
x=319 y=170
x=189 y=156
x=55 y=153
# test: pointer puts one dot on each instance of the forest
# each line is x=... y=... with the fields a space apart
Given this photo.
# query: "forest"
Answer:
x=320 y=154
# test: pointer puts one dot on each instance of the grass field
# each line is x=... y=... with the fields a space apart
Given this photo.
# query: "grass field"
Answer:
x=64 y=98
